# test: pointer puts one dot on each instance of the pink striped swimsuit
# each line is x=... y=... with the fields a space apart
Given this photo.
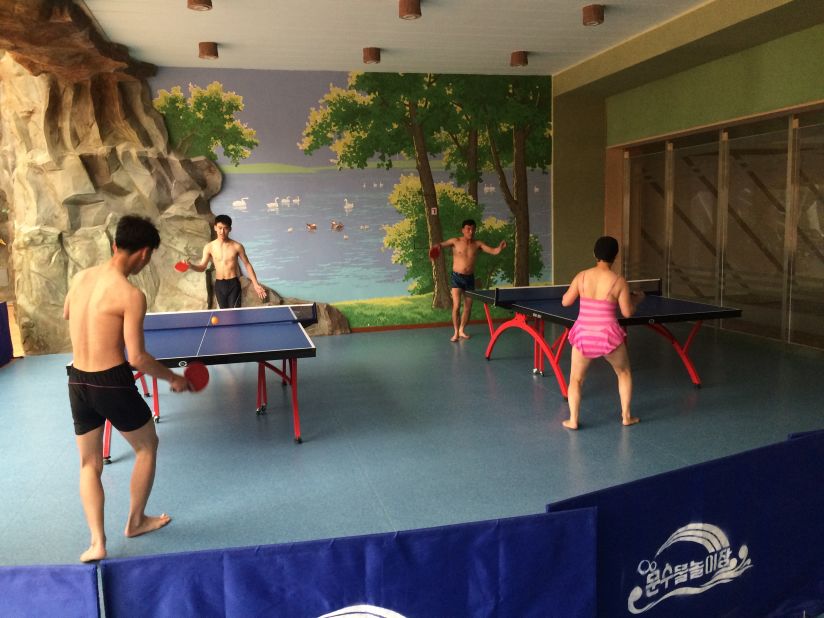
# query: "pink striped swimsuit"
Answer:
x=596 y=332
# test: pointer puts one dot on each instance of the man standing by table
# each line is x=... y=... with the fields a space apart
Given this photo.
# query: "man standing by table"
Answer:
x=464 y=253
x=105 y=314
x=224 y=253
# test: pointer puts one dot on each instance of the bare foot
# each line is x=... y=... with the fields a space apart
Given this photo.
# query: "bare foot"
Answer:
x=454 y=338
x=570 y=424
x=150 y=523
x=94 y=553
x=630 y=421
x=464 y=336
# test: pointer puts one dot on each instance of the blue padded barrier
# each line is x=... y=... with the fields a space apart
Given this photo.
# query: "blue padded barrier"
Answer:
x=5 y=335
x=67 y=591
x=735 y=537
x=538 y=565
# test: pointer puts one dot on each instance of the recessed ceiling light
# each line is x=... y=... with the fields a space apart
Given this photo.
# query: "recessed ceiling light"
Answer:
x=199 y=5
x=207 y=50
x=371 y=55
x=518 y=59
x=593 y=14
x=409 y=9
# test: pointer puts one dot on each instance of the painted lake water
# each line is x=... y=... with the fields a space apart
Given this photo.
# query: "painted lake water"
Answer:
x=350 y=263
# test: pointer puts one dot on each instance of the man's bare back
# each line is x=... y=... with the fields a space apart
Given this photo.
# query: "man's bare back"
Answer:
x=105 y=314
x=96 y=306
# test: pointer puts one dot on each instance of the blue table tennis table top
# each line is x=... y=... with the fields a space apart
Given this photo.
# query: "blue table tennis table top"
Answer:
x=544 y=302
x=240 y=335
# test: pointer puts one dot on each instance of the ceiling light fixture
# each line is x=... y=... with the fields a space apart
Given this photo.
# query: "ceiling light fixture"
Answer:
x=593 y=14
x=199 y=5
x=518 y=59
x=207 y=50
x=371 y=55
x=409 y=9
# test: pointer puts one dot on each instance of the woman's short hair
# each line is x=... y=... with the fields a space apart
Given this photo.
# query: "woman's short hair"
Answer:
x=606 y=249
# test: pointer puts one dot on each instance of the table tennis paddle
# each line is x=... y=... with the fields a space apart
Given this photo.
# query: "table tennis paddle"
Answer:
x=197 y=374
x=434 y=252
x=181 y=266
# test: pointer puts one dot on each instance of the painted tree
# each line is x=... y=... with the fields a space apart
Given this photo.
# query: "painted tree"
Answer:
x=465 y=152
x=519 y=130
x=380 y=116
x=204 y=121
x=500 y=122
x=406 y=237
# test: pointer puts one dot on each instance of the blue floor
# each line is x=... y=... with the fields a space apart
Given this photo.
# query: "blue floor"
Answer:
x=401 y=429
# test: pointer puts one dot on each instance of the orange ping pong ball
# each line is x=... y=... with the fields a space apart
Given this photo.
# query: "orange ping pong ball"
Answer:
x=214 y=320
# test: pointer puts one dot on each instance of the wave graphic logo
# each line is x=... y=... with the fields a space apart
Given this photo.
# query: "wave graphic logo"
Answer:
x=362 y=611
x=695 y=558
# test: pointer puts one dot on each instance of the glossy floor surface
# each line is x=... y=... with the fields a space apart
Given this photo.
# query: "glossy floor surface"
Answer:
x=401 y=430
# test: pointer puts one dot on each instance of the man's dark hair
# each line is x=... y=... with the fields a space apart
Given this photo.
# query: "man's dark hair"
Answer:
x=224 y=219
x=468 y=222
x=606 y=248
x=135 y=233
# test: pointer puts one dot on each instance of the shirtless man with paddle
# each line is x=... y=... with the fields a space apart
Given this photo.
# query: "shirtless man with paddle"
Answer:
x=105 y=313
x=225 y=252
x=464 y=252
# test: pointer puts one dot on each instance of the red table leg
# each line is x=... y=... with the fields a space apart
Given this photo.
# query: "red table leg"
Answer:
x=682 y=350
x=288 y=375
x=107 y=443
x=293 y=379
x=140 y=376
x=262 y=395
x=552 y=354
x=489 y=319
x=156 y=404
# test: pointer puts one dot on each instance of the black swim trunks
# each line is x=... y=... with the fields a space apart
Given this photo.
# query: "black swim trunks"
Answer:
x=109 y=394
x=227 y=293
x=463 y=282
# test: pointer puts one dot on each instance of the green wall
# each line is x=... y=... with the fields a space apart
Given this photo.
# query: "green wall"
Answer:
x=782 y=73
x=579 y=132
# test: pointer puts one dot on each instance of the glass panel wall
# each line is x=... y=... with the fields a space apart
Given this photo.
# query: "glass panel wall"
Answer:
x=694 y=223
x=807 y=284
x=754 y=260
x=709 y=215
x=647 y=218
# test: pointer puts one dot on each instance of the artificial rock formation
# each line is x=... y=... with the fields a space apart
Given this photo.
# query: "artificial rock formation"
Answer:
x=81 y=145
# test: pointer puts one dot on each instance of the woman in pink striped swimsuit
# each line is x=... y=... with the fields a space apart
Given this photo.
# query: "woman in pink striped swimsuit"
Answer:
x=596 y=332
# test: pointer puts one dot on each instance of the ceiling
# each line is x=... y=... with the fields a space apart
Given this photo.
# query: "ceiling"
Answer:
x=452 y=36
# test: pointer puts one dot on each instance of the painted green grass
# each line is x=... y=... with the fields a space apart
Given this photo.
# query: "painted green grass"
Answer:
x=404 y=311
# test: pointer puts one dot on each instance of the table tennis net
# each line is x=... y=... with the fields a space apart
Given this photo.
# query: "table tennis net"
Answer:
x=552 y=292
x=306 y=314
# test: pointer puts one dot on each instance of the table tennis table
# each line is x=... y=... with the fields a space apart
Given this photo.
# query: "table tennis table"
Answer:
x=247 y=334
x=535 y=305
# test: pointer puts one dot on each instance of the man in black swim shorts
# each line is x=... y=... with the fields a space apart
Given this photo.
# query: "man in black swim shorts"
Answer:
x=105 y=313
x=225 y=253
x=227 y=292
x=464 y=253
x=111 y=394
x=462 y=282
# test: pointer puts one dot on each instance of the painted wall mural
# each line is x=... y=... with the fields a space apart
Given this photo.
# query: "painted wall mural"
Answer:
x=331 y=196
